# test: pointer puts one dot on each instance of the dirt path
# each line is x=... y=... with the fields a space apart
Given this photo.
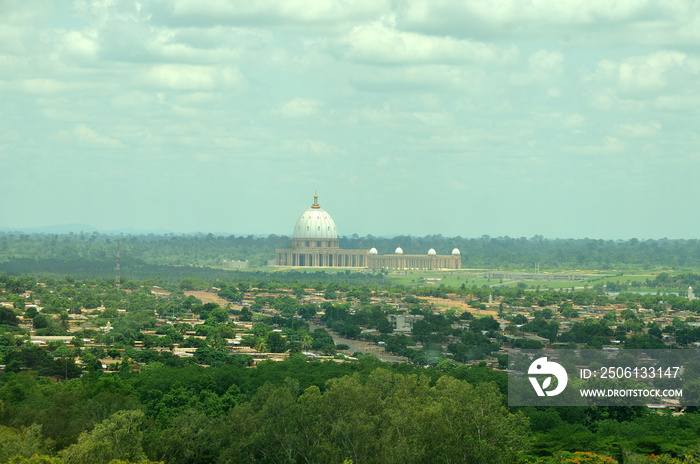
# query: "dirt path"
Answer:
x=360 y=346
x=208 y=297
x=442 y=304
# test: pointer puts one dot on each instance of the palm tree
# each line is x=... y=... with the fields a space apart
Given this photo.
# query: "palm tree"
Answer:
x=306 y=342
x=216 y=341
x=183 y=328
x=261 y=344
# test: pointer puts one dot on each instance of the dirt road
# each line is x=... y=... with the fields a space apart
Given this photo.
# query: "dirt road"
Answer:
x=360 y=346
x=209 y=297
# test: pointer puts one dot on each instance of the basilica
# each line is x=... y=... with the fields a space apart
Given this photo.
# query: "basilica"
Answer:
x=315 y=244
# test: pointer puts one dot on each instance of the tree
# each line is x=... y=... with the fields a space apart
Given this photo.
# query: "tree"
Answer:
x=276 y=342
x=261 y=344
x=63 y=317
x=8 y=317
x=582 y=457
x=485 y=323
x=474 y=425
x=118 y=437
x=306 y=341
x=384 y=326
x=41 y=321
x=24 y=442
x=31 y=312
x=219 y=314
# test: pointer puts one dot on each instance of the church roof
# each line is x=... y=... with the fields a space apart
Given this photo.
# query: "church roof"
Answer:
x=315 y=224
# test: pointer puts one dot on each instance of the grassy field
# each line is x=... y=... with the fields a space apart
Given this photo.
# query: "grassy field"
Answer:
x=477 y=277
x=470 y=277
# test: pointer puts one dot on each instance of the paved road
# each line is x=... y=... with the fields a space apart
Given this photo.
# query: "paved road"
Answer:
x=360 y=346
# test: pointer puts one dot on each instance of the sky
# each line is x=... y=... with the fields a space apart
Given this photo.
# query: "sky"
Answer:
x=566 y=119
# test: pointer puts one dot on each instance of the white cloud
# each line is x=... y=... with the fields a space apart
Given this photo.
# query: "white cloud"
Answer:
x=85 y=135
x=300 y=108
x=43 y=86
x=570 y=120
x=132 y=100
x=608 y=100
x=588 y=23
x=543 y=66
x=608 y=146
x=323 y=13
x=310 y=147
x=191 y=77
x=519 y=13
x=79 y=44
x=432 y=118
x=648 y=72
x=546 y=63
x=381 y=43
x=647 y=76
x=421 y=78
x=649 y=129
x=202 y=46
x=688 y=101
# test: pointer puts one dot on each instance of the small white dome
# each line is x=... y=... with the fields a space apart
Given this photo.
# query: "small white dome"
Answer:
x=398 y=251
x=373 y=251
x=431 y=252
x=456 y=251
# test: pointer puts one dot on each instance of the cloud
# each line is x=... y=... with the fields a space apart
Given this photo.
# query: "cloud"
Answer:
x=43 y=86
x=686 y=102
x=191 y=77
x=84 y=135
x=608 y=100
x=543 y=66
x=608 y=146
x=593 y=22
x=420 y=78
x=569 y=120
x=520 y=14
x=545 y=62
x=79 y=44
x=649 y=129
x=650 y=72
x=381 y=43
x=291 y=13
x=299 y=108
x=646 y=75
x=310 y=147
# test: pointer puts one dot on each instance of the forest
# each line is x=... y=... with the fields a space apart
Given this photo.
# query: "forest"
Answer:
x=127 y=394
x=94 y=252
x=59 y=404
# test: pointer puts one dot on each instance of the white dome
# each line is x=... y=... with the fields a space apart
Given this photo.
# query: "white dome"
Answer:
x=398 y=251
x=315 y=224
x=456 y=252
x=431 y=252
x=373 y=251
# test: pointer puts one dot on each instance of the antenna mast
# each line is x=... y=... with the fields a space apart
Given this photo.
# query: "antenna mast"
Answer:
x=117 y=281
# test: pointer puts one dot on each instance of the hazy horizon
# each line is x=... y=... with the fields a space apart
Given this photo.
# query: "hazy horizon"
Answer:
x=63 y=229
